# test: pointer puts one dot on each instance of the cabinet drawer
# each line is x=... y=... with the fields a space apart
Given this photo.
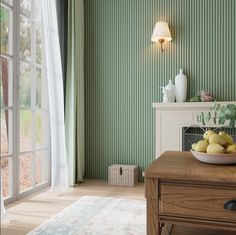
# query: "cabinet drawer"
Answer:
x=196 y=201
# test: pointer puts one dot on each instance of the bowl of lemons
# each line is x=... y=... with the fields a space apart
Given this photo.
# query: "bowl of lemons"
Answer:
x=215 y=148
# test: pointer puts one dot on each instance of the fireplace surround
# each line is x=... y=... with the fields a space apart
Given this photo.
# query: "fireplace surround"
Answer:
x=171 y=118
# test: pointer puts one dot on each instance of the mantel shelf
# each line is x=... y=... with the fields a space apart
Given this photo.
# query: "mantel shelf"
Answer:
x=188 y=105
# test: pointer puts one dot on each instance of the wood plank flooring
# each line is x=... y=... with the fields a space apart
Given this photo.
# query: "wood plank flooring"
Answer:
x=28 y=213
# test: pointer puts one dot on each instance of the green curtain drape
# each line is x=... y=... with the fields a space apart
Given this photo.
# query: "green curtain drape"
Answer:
x=74 y=108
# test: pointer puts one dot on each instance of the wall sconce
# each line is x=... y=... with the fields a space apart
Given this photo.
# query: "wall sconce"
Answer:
x=161 y=33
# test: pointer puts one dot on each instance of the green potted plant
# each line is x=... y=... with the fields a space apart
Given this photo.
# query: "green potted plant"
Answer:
x=221 y=114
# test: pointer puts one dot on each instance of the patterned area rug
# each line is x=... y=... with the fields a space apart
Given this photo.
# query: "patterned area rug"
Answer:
x=98 y=216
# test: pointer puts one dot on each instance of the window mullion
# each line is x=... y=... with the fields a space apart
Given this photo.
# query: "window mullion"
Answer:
x=33 y=92
x=16 y=86
x=6 y=4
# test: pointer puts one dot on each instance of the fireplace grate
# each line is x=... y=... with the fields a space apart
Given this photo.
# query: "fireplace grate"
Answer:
x=193 y=134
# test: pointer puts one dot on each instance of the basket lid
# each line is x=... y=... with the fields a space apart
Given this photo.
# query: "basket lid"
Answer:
x=118 y=166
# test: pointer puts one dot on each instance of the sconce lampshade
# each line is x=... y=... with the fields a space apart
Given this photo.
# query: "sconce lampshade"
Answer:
x=161 y=32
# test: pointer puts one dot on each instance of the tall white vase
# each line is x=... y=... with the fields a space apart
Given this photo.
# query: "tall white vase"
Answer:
x=180 y=87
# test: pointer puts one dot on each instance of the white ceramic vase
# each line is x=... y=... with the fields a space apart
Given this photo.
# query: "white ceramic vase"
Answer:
x=165 y=95
x=170 y=88
x=180 y=87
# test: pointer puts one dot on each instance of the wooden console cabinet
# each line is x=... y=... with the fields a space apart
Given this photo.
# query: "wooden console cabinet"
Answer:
x=181 y=190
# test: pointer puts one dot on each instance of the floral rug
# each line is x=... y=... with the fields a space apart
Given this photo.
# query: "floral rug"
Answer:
x=98 y=216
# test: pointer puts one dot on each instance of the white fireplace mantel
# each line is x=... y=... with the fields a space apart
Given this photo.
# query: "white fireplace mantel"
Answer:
x=171 y=117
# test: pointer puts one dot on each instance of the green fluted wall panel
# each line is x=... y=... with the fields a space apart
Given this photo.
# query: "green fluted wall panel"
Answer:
x=124 y=70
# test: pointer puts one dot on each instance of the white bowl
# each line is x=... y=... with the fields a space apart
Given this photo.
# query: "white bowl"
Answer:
x=224 y=159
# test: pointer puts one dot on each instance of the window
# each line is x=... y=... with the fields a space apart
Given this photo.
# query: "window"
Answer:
x=25 y=152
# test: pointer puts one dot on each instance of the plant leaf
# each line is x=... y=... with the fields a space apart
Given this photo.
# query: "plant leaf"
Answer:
x=208 y=117
x=214 y=119
x=232 y=123
x=203 y=119
x=215 y=106
x=222 y=120
x=199 y=118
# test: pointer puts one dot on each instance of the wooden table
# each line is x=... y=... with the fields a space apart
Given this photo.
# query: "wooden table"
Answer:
x=181 y=190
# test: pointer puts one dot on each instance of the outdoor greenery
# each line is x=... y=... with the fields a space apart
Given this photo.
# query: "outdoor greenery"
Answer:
x=25 y=125
x=25 y=86
x=4 y=30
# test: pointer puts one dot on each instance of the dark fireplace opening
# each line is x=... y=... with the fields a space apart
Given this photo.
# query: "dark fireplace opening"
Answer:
x=193 y=134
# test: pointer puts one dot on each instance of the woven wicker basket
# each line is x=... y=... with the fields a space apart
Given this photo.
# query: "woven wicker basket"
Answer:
x=123 y=175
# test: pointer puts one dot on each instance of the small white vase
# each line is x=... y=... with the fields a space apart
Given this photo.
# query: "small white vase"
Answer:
x=180 y=87
x=165 y=95
x=170 y=88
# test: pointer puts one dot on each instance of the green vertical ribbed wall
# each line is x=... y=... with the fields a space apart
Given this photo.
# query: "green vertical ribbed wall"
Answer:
x=124 y=70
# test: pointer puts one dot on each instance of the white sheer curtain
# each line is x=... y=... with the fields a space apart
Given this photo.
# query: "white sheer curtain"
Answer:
x=59 y=176
x=3 y=211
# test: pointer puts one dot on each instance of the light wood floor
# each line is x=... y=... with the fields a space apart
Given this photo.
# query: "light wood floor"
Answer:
x=28 y=213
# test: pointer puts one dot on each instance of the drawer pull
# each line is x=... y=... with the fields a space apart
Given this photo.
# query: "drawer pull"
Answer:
x=230 y=205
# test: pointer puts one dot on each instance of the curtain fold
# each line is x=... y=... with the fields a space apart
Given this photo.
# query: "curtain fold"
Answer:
x=3 y=211
x=74 y=108
x=59 y=166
